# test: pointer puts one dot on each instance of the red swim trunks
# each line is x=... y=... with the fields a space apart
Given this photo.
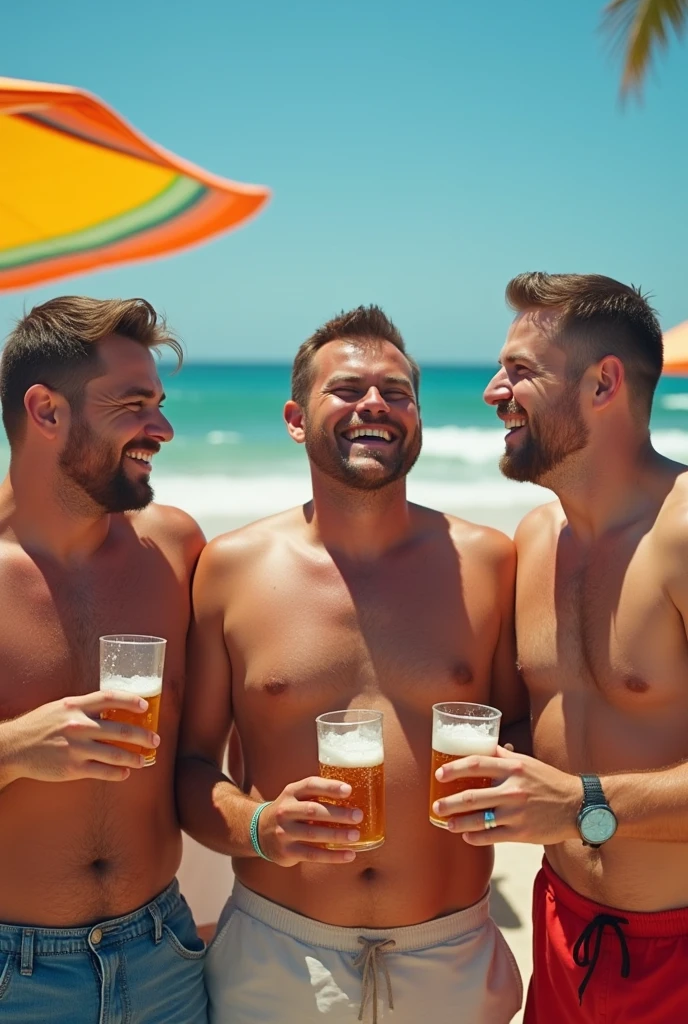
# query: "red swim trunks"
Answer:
x=604 y=966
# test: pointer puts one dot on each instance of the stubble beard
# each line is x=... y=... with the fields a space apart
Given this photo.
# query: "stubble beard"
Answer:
x=96 y=469
x=324 y=453
x=552 y=438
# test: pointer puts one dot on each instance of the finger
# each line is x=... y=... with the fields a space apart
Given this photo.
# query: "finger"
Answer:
x=103 y=700
x=316 y=855
x=312 y=811
x=121 y=732
x=310 y=833
x=477 y=800
x=315 y=787
x=490 y=836
x=476 y=822
x=109 y=754
x=509 y=747
x=474 y=766
x=104 y=772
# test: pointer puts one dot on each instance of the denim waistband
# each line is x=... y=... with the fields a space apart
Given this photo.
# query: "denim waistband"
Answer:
x=31 y=941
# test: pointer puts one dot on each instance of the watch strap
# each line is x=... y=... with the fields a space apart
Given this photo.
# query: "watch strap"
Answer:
x=593 y=794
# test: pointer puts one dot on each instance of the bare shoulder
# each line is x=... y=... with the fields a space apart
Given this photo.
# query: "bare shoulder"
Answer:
x=671 y=526
x=169 y=526
x=239 y=548
x=472 y=540
x=539 y=525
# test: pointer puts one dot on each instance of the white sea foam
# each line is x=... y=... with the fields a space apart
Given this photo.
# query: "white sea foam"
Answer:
x=350 y=750
x=677 y=401
x=256 y=496
x=142 y=686
x=463 y=738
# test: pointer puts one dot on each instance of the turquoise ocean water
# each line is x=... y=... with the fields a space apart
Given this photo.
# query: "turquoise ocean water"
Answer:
x=231 y=455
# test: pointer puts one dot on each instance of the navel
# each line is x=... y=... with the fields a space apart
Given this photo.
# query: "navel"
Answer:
x=368 y=875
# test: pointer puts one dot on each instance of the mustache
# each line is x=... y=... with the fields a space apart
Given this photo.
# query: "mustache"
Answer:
x=378 y=421
x=142 y=446
x=510 y=408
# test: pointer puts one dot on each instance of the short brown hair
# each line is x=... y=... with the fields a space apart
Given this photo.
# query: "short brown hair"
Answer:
x=56 y=345
x=363 y=324
x=599 y=317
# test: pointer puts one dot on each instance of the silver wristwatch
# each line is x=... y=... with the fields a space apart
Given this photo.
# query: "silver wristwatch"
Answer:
x=596 y=820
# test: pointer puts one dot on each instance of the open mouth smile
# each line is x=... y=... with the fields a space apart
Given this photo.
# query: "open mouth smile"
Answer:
x=514 y=423
x=369 y=436
x=144 y=458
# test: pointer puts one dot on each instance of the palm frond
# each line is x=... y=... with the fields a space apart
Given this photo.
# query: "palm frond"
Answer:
x=639 y=28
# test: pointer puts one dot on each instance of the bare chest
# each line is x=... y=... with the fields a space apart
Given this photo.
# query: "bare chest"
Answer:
x=310 y=644
x=601 y=624
x=53 y=618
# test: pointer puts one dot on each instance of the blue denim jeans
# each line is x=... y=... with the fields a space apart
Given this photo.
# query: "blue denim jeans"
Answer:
x=144 y=968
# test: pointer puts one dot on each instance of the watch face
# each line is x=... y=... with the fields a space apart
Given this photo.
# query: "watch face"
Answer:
x=597 y=824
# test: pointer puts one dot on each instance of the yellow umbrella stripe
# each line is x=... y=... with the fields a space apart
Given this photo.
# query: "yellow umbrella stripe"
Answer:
x=56 y=183
x=179 y=196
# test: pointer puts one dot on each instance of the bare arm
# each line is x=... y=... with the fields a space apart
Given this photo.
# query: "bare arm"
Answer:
x=66 y=740
x=211 y=806
x=508 y=690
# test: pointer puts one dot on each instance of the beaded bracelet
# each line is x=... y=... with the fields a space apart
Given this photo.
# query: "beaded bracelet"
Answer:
x=253 y=830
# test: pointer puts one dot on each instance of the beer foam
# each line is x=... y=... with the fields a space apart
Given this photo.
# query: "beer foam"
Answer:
x=142 y=686
x=350 y=750
x=463 y=738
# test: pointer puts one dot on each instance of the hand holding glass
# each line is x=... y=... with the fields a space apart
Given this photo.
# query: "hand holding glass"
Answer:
x=459 y=730
x=350 y=750
x=134 y=664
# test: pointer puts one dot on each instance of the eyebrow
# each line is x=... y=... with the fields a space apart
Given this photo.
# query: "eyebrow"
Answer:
x=353 y=378
x=137 y=392
x=520 y=357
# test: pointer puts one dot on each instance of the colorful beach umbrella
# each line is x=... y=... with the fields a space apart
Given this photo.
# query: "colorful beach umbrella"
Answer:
x=676 y=349
x=80 y=189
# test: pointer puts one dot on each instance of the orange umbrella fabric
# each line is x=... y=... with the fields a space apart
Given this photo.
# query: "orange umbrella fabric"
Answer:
x=80 y=189
x=676 y=349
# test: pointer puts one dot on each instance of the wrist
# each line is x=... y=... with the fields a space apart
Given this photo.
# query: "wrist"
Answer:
x=10 y=768
x=257 y=830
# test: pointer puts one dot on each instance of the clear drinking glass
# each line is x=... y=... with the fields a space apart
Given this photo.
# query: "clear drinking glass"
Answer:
x=459 y=730
x=135 y=665
x=350 y=749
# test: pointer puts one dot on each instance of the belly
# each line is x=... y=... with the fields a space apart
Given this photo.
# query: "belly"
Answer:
x=81 y=852
x=598 y=737
x=419 y=873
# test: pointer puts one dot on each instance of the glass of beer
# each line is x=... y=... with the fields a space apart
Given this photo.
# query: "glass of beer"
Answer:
x=350 y=750
x=459 y=730
x=134 y=664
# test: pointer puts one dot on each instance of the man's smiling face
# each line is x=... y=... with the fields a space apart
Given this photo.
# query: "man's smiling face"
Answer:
x=362 y=425
x=537 y=401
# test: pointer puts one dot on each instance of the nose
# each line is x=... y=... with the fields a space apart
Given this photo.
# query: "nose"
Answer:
x=159 y=427
x=373 y=401
x=499 y=388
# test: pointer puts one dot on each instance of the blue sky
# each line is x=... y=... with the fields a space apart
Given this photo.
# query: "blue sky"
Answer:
x=420 y=153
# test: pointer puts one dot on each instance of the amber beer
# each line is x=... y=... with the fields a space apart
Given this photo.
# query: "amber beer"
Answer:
x=134 y=664
x=350 y=749
x=459 y=730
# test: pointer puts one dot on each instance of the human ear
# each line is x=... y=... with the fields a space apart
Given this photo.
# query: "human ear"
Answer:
x=294 y=418
x=609 y=377
x=46 y=410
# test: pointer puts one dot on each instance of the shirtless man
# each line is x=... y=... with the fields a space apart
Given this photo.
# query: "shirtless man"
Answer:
x=602 y=609
x=94 y=930
x=357 y=599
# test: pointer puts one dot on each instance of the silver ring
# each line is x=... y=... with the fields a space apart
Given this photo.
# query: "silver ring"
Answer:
x=490 y=821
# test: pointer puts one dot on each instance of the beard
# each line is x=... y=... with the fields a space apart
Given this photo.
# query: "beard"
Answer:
x=358 y=473
x=97 y=470
x=552 y=437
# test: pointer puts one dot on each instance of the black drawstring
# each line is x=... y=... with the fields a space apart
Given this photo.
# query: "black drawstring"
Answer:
x=596 y=927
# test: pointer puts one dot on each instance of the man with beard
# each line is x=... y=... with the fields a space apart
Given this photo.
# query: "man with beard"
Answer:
x=601 y=613
x=93 y=927
x=357 y=599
